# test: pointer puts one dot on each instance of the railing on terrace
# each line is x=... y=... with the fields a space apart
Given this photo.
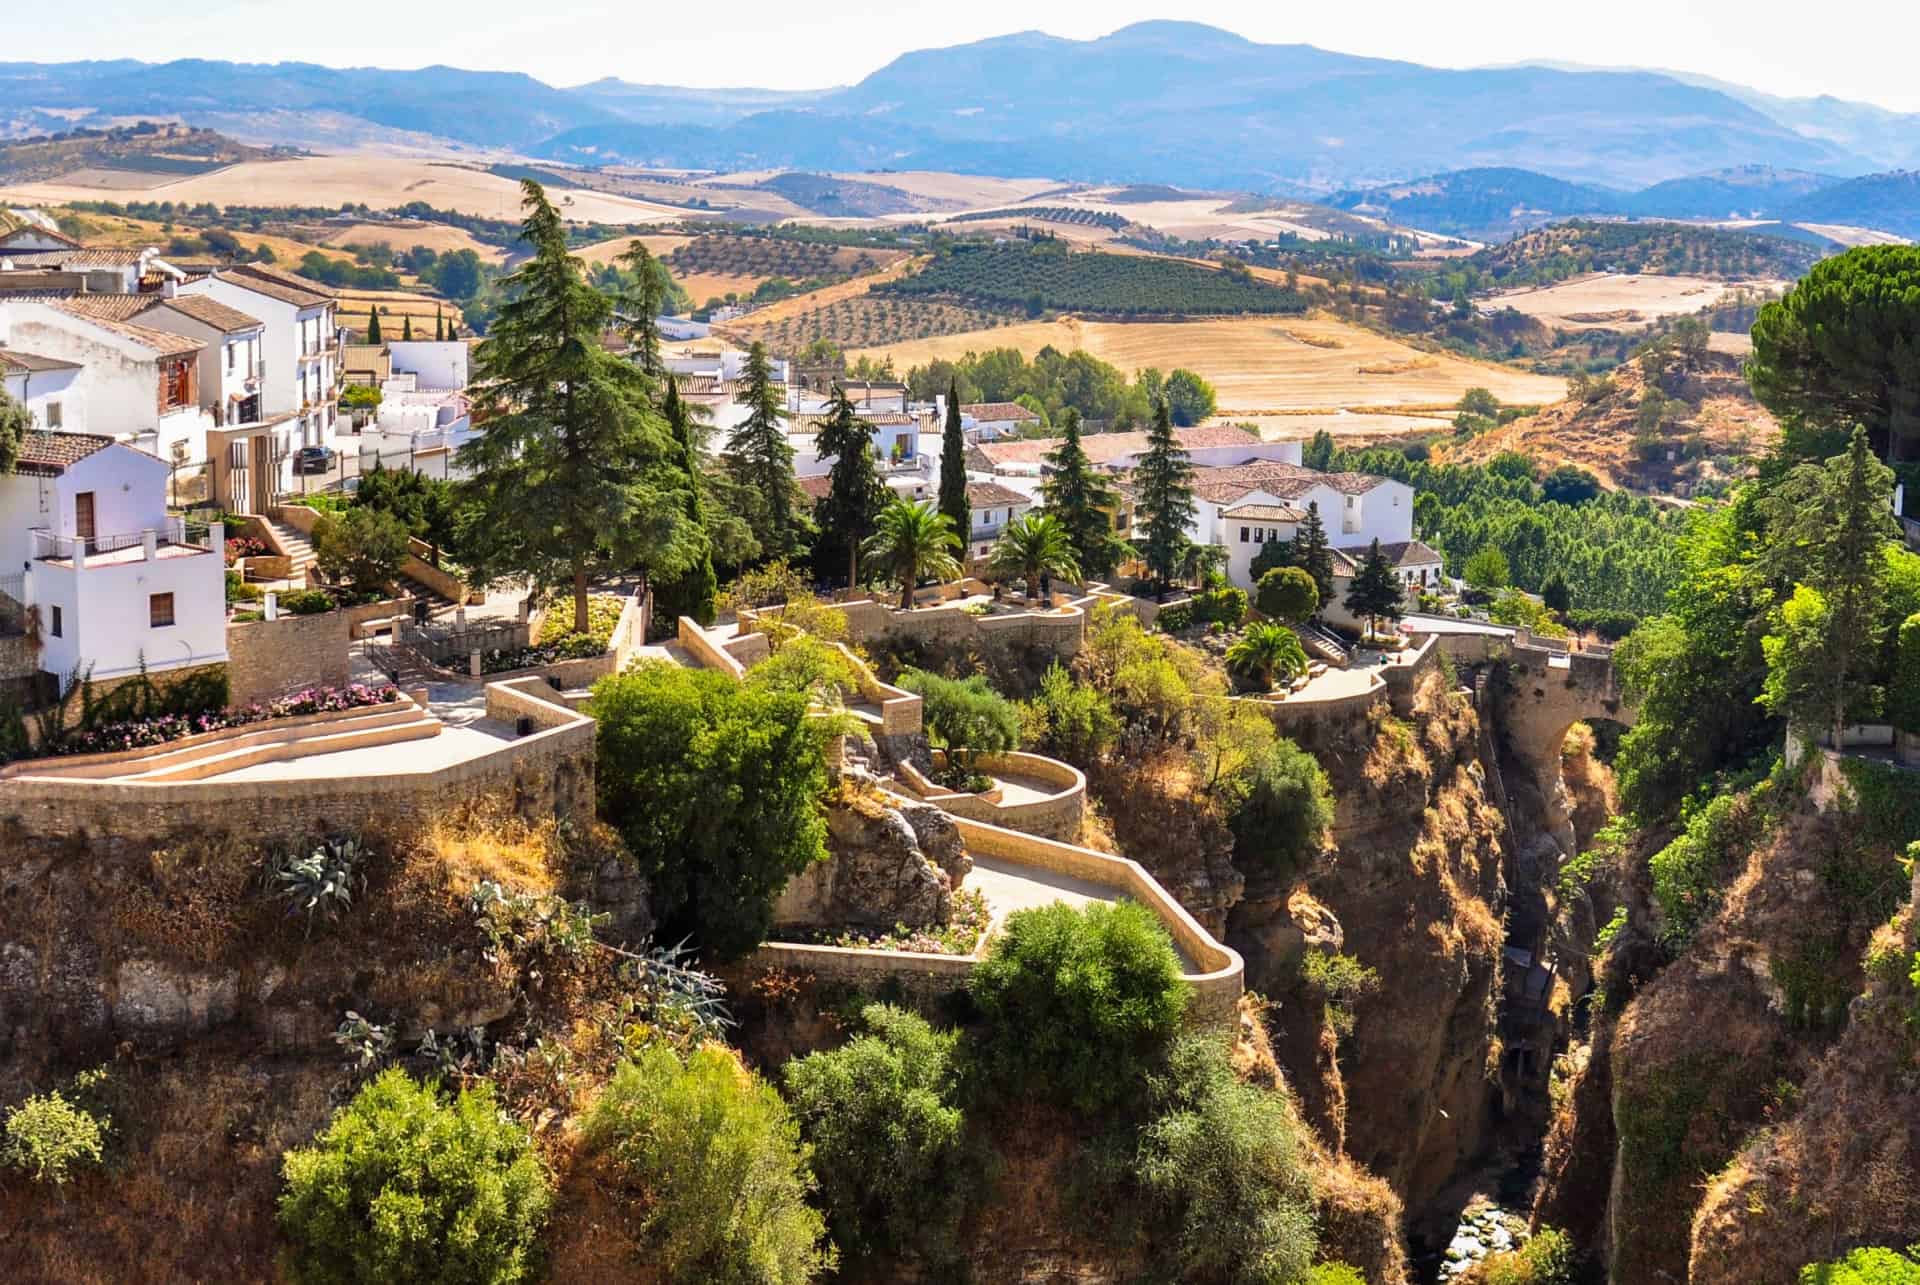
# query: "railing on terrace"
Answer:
x=449 y=646
x=171 y=531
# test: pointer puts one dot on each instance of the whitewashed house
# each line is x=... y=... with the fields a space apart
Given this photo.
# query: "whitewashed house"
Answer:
x=230 y=363
x=140 y=384
x=47 y=386
x=86 y=542
x=300 y=359
x=989 y=421
x=993 y=506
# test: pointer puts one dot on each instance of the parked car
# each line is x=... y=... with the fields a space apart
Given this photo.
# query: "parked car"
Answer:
x=313 y=459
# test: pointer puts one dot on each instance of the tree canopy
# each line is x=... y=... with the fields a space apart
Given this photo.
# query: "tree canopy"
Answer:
x=1165 y=480
x=760 y=461
x=855 y=494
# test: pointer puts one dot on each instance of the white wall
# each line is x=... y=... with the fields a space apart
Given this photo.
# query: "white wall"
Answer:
x=1220 y=456
x=42 y=390
x=1384 y=514
x=437 y=364
x=1240 y=556
x=119 y=379
x=279 y=344
x=106 y=621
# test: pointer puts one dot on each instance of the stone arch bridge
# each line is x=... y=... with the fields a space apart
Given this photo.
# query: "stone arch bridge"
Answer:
x=1545 y=689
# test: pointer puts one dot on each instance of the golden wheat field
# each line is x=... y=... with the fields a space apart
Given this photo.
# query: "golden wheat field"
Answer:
x=1259 y=363
x=1618 y=301
x=380 y=181
x=438 y=237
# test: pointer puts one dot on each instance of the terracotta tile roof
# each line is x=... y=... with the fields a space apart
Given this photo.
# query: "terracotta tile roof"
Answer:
x=699 y=385
x=82 y=257
x=1227 y=483
x=34 y=229
x=14 y=359
x=44 y=454
x=287 y=288
x=815 y=488
x=106 y=307
x=211 y=312
x=162 y=343
x=995 y=412
x=992 y=495
x=1266 y=513
x=1401 y=553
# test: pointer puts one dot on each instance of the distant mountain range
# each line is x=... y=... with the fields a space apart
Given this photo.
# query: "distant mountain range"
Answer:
x=1159 y=102
x=1492 y=203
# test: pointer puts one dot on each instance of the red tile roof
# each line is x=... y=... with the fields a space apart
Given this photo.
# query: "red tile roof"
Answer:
x=992 y=495
x=996 y=412
x=211 y=312
x=44 y=454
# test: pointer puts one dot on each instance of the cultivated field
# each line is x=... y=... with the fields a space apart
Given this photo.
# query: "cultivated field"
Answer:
x=1617 y=302
x=438 y=237
x=660 y=245
x=972 y=191
x=1260 y=363
x=381 y=181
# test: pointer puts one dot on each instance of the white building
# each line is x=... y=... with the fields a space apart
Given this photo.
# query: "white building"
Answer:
x=99 y=270
x=231 y=356
x=140 y=384
x=300 y=345
x=993 y=507
x=993 y=420
x=47 y=386
x=115 y=580
x=1205 y=447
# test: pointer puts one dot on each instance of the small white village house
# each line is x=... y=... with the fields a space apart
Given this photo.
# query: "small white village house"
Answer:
x=87 y=543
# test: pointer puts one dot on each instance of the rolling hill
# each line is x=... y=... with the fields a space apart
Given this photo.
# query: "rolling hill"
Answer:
x=1157 y=102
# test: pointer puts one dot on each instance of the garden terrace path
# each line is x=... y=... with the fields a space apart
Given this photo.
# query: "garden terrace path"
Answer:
x=1008 y=887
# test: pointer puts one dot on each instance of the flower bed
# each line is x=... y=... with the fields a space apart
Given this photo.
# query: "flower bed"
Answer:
x=569 y=647
x=603 y=617
x=140 y=733
x=960 y=935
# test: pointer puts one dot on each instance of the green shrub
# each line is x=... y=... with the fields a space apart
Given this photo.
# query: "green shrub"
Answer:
x=1225 y=1168
x=1335 y=1274
x=306 y=602
x=715 y=1163
x=49 y=1135
x=1548 y=1259
x=1867 y=1267
x=1079 y=1003
x=885 y=1135
x=1172 y=620
x=1903 y=688
x=238 y=590
x=964 y=716
x=1226 y=605
x=404 y=1185
x=718 y=788
x=1689 y=873
x=363 y=548
x=1288 y=593
x=820 y=672
x=1071 y=720
x=1279 y=807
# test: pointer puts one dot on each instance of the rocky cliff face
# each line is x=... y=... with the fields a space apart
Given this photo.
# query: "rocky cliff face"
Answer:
x=1746 y=1061
x=1398 y=1078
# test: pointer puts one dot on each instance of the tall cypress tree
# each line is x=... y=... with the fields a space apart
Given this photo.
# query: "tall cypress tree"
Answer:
x=439 y=326
x=693 y=592
x=1165 y=479
x=1082 y=501
x=1376 y=590
x=953 y=468
x=577 y=474
x=855 y=493
x=1312 y=550
x=643 y=304
x=373 y=326
x=406 y=328
x=760 y=461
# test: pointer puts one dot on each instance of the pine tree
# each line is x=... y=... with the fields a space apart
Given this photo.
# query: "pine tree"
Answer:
x=406 y=328
x=577 y=475
x=693 y=592
x=1082 y=501
x=953 y=468
x=760 y=461
x=855 y=493
x=643 y=305
x=1165 y=480
x=1375 y=591
x=373 y=327
x=1312 y=550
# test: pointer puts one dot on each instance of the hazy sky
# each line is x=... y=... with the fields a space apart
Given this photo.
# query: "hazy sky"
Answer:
x=1858 y=49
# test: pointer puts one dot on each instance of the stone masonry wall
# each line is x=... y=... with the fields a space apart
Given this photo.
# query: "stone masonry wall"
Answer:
x=270 y=658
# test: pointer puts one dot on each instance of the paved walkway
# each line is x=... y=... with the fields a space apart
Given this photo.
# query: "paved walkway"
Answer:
x=453 y=745
x=1009 y=887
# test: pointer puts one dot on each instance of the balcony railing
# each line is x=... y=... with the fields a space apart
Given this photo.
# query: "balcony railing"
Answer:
x=173 y=532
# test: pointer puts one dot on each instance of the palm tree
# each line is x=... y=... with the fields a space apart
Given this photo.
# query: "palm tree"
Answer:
x=1032 y=546
x=1266 y=649
x=913 y=541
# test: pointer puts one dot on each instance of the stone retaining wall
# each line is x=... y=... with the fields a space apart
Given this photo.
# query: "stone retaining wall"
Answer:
x=1057 y=816
x=706 y=649
x=1061 y=630
x=269 y=658
x=550 y=773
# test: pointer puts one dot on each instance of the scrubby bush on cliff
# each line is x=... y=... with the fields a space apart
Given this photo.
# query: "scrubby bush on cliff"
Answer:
x=49 y=1135
x=1867 y=1267
x=1080 y=1004
x=1548 y=1259
x=1689 y=874
x=1279 y=808
x=1069 y=720
x=886 y=1136
x=1224 y=1167
x=715 y=1166
x=405 y=1185
x=717 y=788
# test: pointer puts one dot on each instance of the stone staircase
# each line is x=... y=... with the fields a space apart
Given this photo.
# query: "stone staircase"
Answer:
x=297 y=547
x=217 y=753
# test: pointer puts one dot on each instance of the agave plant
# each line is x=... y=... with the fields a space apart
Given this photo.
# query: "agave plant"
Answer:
x=321 y=882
